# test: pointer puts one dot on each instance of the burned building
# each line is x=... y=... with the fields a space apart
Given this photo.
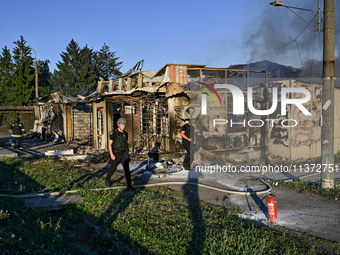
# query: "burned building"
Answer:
x=66 y=117
x=157 y=104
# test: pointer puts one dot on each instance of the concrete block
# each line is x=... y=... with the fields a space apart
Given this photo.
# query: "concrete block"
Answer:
x=59 y=152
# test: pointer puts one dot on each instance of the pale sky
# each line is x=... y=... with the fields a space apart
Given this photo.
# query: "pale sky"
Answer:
x=214 y=33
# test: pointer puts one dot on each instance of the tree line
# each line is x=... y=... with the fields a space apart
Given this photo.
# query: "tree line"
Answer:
x=77 y=72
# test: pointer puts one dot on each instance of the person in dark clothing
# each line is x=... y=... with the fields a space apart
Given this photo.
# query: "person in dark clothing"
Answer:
x=188 y=140
x=119 y=153
x=18 y=130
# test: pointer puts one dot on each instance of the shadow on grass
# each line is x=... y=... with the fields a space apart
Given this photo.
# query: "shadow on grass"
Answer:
x=21 y=222
x=25 y=230
x=121 y=243
x=81 y=181
x=13 y=181
x=77 y=235
x=198 y=236
x=87 y=177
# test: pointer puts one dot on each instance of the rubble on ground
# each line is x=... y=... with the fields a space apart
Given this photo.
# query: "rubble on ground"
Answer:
x=88 y=155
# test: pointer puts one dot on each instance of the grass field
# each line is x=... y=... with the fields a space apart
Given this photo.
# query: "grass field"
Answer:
x=310 y=187
x=147 y=221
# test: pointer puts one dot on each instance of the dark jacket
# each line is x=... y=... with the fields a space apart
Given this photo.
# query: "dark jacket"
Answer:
x=17 y=129
x=120 y=141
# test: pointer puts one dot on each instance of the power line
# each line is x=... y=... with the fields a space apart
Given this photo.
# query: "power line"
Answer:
x=272 y=51
x=300 y=58
x=312 y=62
x=284 y=44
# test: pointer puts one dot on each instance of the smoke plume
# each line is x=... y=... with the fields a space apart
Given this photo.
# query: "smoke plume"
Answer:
x=281 y=36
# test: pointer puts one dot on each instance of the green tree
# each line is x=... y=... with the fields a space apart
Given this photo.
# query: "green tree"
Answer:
x=44 y=78
x=75 y=74
x=107 y=65
x=56 y=82
x=80 y=68
x=22 y=88
x=88 y=76
x=6 y=73
x=65 y=77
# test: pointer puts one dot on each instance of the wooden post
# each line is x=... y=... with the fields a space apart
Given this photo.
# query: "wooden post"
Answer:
x=140 y=80
x=111 y=87
x=120 y=84
x=129 y=84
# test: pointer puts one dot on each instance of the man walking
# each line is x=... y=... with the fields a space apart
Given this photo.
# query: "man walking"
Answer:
x=119 y=153
x=17 y=130
x=188 y=140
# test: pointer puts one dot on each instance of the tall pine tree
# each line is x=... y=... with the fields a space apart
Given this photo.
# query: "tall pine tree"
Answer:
x=6 y=73
x=80 y=68
x=75 y=74
x=22 y=88
x=107 y=65
x=44 y=78
x=88 y=76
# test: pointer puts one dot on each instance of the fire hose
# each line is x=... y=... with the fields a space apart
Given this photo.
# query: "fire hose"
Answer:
x=235 y=192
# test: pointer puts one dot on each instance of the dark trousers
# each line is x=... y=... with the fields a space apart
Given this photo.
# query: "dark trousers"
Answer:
x=189 y=147
x=14 y=139
x=121 y=157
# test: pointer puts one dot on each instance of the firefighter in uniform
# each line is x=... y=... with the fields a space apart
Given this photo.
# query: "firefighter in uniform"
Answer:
x=17 y=130
x=119 y=153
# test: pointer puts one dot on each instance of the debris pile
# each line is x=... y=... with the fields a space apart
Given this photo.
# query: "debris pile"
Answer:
x=84 y=150
x=96 y=157
x=162 y=166
x=154 y=166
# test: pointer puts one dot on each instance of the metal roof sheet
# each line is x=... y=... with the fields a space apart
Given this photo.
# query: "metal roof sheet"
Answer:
x=16 y=108
x=162 y=70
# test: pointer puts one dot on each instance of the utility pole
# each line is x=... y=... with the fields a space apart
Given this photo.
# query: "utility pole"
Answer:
x=327 y=128
x=327 y=132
